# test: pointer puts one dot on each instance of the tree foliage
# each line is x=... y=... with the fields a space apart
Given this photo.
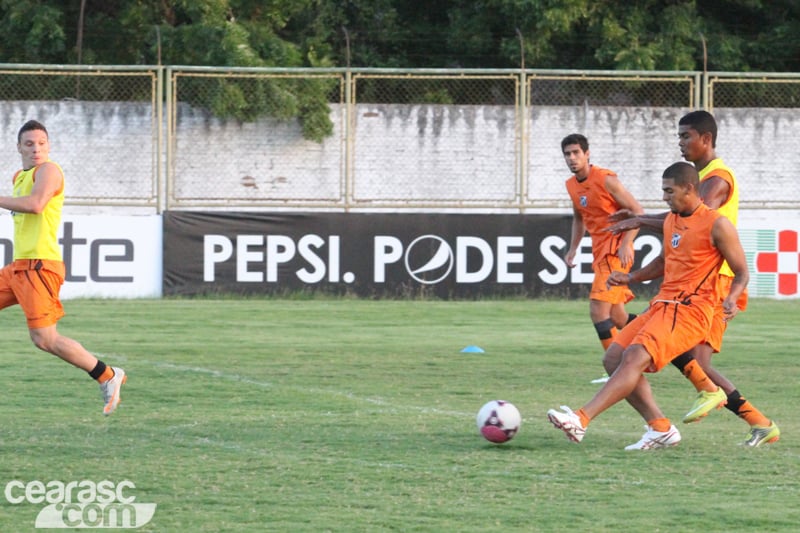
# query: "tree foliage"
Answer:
x=740 y=35
x=726 y=35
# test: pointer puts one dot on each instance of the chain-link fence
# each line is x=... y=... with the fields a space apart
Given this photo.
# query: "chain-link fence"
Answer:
x=104 y=127
x=485 y=139
x=428 y=138
x=242 y=137
x=758 y=131
x=630 y=120
x=387 y=138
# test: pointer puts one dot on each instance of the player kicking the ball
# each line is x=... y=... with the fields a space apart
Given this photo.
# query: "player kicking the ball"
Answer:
x=696 y=241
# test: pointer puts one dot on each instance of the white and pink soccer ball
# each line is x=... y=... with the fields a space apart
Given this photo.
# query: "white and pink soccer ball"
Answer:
x=498 y=421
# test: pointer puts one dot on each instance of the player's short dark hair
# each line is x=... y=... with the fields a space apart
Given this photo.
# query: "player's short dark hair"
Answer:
x=31 y=125
x=682 y=173
x=702 y=122
x=575 y=138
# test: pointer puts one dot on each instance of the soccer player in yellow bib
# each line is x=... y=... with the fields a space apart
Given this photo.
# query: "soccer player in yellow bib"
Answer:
x=33 y=280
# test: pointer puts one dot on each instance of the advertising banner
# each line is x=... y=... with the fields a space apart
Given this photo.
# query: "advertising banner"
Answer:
x=377 y=255
x=106 y=256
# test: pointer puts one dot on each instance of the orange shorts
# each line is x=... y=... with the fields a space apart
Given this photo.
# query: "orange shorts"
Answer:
x=603 y=268
x=718 y=324
x=33 y=284
x=667 y=330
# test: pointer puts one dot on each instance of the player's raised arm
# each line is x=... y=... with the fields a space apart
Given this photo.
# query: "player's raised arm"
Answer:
x=653 y=222
x=714 y=191
x=49 y=181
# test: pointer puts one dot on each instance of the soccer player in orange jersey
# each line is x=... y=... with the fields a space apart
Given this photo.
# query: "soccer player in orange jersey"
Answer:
x=697 y=139
x=696 y=242
x=33 y=280
x=596 y=193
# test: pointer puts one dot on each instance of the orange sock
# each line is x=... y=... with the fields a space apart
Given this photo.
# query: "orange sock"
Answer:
x=107 y=374
x=659 y=424
x=695 y=373
x=745 y=410
x=751 y=415
x=584 y=419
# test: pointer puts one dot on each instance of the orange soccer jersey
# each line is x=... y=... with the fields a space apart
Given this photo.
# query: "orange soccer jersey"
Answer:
x=594 y=203
x=680 y=314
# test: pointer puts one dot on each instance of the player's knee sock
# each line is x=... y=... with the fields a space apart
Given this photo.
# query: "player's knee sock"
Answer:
x=682 y=360
x=742 y=408
x=606 y=331
x=695 y=373
x=101 y=373
x=659 y=424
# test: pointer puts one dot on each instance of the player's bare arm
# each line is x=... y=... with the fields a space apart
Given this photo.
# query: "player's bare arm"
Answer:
x=652 y=270
x=622 y=223
x=626 y=200
x=48 y=182
x=621 y=214
x=726 y=239
x=714 y=191
x=578 y=231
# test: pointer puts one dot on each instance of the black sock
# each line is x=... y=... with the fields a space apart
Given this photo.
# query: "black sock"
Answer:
x=98 y=370
x=604 y=328
x=682 y=360
x=735 y=401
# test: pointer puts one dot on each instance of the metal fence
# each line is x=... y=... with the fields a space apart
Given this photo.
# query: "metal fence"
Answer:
x=104 y=124
x=342 y=139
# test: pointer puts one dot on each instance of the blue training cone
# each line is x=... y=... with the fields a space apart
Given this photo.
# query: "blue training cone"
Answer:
x=472 y=349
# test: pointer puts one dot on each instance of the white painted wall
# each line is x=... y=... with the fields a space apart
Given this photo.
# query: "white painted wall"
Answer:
x=408 y=153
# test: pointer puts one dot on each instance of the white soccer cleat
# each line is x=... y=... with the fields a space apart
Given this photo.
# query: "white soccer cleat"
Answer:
x=653 y=440
x=111 y=390
x=568 y=422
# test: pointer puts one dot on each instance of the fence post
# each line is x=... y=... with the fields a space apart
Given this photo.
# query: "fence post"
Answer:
x=348 y=140
x=170 y=156
x=160 y=160
x=522 y=121
x=522 y=172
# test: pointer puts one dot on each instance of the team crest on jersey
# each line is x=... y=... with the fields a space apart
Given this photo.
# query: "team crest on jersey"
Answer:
x=676 y=239
x=584 y=201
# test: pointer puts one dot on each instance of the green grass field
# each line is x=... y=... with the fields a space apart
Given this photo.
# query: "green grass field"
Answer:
x=353 y=415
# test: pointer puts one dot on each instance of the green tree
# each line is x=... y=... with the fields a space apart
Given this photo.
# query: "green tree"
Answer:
x=740 y=35
x=732 y=35
x=244 y=33
x=32 y=32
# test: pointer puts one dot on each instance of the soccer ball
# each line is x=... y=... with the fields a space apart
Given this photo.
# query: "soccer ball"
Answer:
x=498 y=421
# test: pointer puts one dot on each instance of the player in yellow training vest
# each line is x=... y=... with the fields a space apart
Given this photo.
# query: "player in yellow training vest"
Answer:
x=33 y=280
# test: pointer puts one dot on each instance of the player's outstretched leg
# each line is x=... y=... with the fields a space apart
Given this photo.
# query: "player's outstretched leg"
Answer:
x=568 y=422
